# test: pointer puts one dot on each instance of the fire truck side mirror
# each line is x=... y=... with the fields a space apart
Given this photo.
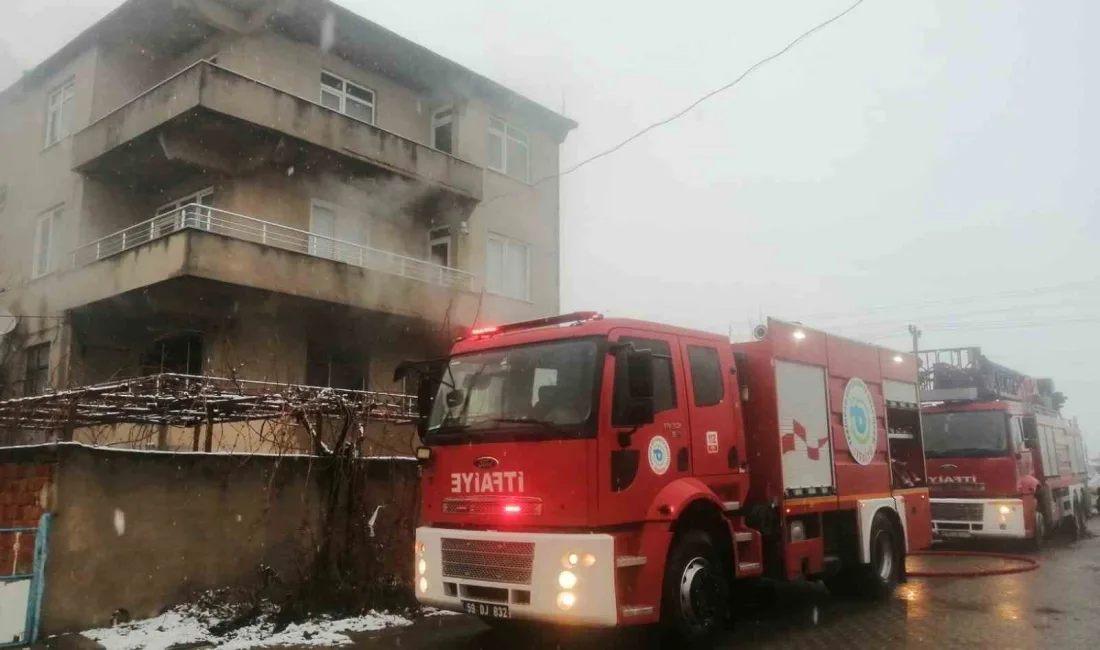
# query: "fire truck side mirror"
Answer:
x=639 y=368
x=639 y=387
x=1031 y=432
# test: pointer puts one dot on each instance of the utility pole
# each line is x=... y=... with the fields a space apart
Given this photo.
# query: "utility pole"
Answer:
x=915 y=332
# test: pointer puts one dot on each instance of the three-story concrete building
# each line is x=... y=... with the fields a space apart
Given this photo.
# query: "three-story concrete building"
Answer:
x=277 y=190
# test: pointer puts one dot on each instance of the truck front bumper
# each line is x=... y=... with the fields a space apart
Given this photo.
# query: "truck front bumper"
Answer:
x=978 y=518
x=518 y=575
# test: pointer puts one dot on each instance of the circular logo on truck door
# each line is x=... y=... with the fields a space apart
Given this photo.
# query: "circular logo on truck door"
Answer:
x=860 y=425
x=660 y=456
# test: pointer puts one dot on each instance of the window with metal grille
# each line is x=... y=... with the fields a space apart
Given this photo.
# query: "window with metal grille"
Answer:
x=37 y=376
x=179 y=354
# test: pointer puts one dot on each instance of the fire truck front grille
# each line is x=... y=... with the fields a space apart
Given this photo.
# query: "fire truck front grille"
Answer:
x=956 y=511
x=491 y=561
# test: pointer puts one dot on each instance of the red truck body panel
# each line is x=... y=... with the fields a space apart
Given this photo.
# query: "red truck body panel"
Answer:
x=743 y=429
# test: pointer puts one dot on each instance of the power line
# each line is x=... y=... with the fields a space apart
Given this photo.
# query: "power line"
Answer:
x=954 y=317
x=877 y=335
x=687 y=109
x=1015 y=293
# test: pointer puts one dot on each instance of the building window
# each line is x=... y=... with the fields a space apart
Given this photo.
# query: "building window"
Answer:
x=508 y=150
x=439 y=246
x=333 y=366
x=59 y=113
x=338 y=233
x=664 y=382
x=180 y=354
x=172 y=216
x=345 y=97
x=508 y=267
x=706 y=375
x=443 y=129
x=45 y=242
x=37 y=377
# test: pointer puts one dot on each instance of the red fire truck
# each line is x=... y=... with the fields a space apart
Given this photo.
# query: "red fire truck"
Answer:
x=1002 y=461
x=605 y=472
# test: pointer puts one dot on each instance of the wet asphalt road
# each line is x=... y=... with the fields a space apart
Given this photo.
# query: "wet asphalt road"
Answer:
x=1057 y=606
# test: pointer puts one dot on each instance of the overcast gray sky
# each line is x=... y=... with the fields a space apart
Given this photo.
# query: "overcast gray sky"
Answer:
x=931 y=163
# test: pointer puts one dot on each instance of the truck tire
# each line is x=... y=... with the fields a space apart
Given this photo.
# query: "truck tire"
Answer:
x=876 y=579
x=695 y=592
x=1039 y=526
x=1080 y=520
x=1045 y=506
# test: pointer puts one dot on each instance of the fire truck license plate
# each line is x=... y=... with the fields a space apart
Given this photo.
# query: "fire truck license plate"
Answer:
x=954 y=533
x=486 y=609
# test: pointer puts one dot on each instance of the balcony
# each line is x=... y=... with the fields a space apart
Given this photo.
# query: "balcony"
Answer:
x=238 y=226
x=196 y=244
x=208 y=117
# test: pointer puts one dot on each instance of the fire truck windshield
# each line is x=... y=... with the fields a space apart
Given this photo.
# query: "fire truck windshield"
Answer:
x=971 y=434
x=548 y=385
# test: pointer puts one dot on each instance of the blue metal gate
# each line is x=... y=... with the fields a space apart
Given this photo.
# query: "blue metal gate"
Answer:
x=22 y=586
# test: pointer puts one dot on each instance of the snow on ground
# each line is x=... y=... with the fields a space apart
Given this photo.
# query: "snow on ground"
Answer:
x=190 y=625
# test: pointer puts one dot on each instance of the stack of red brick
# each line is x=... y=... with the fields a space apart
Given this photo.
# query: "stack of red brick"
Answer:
x=23 y=490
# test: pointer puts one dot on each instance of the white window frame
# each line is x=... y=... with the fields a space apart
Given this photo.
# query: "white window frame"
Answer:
x=53 y=216
x=60 y=99
x=335 y=247
x=344 y=97
x=505 y=243
x=438 y=121
x=507 y=133
x=203 y=221
x=437 y=239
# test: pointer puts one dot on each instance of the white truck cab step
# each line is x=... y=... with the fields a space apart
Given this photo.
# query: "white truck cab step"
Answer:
x=637 y=610
x=748 y=567
x=629 y=560
x=742 y=536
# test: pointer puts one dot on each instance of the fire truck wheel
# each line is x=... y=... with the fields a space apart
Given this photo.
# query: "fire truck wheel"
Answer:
x=879 y=577
x=695 y=598
x=1080 y=521
x=1040 y=528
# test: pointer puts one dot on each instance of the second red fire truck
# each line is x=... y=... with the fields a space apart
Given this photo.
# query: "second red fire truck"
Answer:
x=606 y=472
x=1002 y=461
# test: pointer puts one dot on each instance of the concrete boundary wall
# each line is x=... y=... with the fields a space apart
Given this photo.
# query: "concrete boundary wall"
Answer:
x=142 y=531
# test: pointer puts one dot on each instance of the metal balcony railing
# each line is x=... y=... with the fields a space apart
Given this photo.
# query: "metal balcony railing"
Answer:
x=239 y=226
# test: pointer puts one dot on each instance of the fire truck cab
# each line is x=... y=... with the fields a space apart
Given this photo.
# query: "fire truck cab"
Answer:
x=1002 y=461
x=605 y=472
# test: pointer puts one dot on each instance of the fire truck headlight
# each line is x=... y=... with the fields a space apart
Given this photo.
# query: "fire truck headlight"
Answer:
x=589 y=559
x=566 y=599
x=422 y=566
x=423 y=584
x=572 y=560
x=1005 y=510
x=567 y=580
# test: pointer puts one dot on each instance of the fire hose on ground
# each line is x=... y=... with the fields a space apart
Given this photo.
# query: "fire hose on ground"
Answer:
x=1024 y=564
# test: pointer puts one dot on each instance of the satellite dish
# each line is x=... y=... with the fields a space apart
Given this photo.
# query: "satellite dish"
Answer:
x=759 y=332
x=7 y=322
